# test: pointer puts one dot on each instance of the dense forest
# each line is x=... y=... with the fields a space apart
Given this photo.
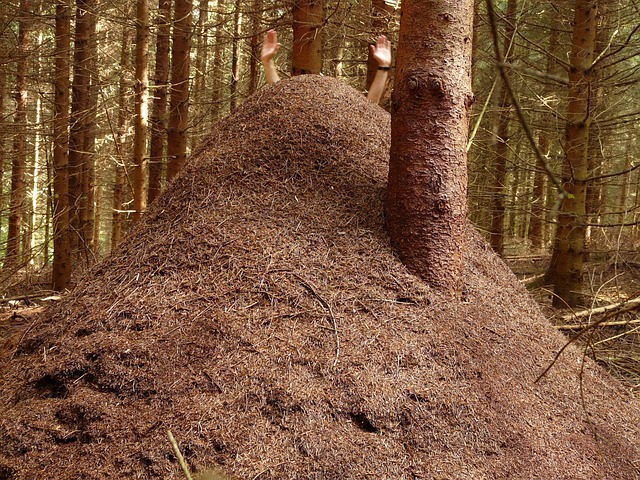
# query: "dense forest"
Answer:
x=102 y=102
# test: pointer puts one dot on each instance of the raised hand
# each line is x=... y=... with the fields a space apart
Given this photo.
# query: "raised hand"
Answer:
x=270 y=46
x=381 y=51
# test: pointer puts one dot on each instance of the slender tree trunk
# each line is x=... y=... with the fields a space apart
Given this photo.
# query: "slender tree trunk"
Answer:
x=201 y=68
x=501 y=143
x=308 y=20
x=426 y=198
x=256 y=42
x=235 y=57
x=142 y=108
x=218 y=61
x=566 y=267
x=179 y=109
x=538 y=220
x=120 y=166
x=18 y=186
x=61 y=274
x=87 y=199
x=159 y=113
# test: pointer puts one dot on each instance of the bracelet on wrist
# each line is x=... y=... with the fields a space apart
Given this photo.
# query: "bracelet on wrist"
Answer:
x=386 y=69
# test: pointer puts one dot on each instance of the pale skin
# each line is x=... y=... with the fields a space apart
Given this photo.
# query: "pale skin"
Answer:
x=381 y=51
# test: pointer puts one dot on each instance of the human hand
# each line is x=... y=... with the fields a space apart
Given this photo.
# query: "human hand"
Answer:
x=381 y=51
x=270 y=46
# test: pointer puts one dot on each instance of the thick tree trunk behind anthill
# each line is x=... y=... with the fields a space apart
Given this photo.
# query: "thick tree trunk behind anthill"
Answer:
x=306 y=54
x=61 y=274
x=159 y=113
x=18 y=185
x=565 y=271
x=142 y=108
x=426 y=202
x=179 y=107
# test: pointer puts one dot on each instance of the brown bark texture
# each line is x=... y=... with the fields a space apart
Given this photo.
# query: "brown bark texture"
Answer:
x=431 y=103
x=142 y=109
x=80 y=106
x=61 y=274
x=308 y=18
x=18 y=164
x=179 y=107
x=566 y=267
x=159 y=111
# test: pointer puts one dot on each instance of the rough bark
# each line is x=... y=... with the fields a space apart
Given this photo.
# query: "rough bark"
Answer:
x=80 y=92
x=179 y=107
x=159 y=112
x=306 y=53
x=19 y=152
x=566 y=267
x=141 y=109
x=426 y=201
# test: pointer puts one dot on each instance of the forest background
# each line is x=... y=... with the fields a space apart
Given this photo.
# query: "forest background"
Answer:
x=102 y=102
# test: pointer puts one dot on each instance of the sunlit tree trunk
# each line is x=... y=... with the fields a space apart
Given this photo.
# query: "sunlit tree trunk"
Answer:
x=306 y=53
x=141 y=109
x=566 y=267
x=120 y=165
x=235 y=57
x=159 y=112
x=19 y=153
x=179 y=107
x=426 y=197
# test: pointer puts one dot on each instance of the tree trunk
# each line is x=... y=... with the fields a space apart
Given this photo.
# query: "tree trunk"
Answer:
x=565 y=270
x=179 y=108
x=120 y=166
x=256 y=44
x=426 y=200
x=306 y=53
x=142 y=109
x=218 y=61
x=80 y=93
x=235 y=57
x=202 y=56
x=501 y=143
x=158 y=115
x=539 y=201
x=18 y=186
